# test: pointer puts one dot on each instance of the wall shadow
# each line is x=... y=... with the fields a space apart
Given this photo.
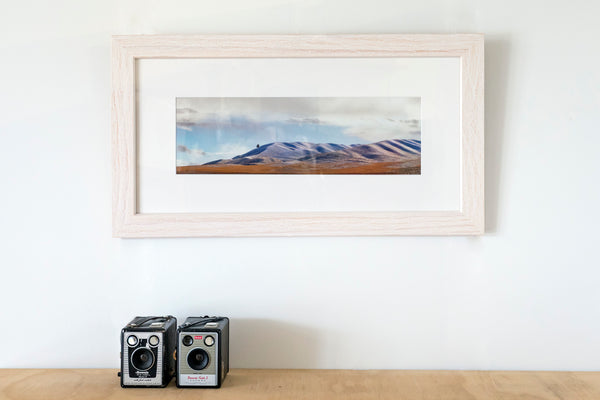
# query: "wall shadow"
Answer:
x=264 y=343
x=497 y=70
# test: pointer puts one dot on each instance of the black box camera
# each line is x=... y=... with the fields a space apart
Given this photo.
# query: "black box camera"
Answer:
x=147 y=351
x=202 y=352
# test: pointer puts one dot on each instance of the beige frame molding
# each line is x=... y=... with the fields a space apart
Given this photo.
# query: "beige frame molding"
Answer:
x=127 y=222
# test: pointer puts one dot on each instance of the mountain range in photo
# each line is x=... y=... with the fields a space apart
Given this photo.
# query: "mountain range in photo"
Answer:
x=394 y=156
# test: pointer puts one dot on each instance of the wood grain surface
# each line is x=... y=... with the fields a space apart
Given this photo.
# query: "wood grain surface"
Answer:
x=241 y=384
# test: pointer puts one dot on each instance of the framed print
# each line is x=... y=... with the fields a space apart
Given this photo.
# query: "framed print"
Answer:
x=293 y=135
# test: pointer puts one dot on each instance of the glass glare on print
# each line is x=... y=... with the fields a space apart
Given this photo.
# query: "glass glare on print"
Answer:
x=298 y=135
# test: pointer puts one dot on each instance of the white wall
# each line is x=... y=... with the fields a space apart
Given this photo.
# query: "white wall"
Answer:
x=524 y=296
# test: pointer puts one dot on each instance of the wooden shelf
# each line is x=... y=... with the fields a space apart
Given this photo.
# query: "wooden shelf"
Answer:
x=242 y=384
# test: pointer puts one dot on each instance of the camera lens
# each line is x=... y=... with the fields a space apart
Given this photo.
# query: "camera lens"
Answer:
x=197 y=359
x=187 y=340
x=142 y=359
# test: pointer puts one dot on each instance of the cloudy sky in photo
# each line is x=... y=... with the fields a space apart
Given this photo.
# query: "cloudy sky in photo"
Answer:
x=212 y=128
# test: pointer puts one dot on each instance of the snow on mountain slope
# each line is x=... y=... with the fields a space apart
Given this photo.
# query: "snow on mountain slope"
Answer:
x=289 y=152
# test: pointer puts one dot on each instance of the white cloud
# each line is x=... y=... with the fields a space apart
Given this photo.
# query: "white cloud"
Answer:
x=187 y=150
x=371 y=118
x=187 y=156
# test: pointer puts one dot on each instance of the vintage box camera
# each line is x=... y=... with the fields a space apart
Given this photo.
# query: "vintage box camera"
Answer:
x=147 y=351
x=202 y=352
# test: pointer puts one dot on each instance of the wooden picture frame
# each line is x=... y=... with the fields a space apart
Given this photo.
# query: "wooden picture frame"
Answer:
x=128 y=222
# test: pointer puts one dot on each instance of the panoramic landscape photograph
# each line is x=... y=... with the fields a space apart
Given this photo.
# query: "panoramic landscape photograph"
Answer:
x=298 y=135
